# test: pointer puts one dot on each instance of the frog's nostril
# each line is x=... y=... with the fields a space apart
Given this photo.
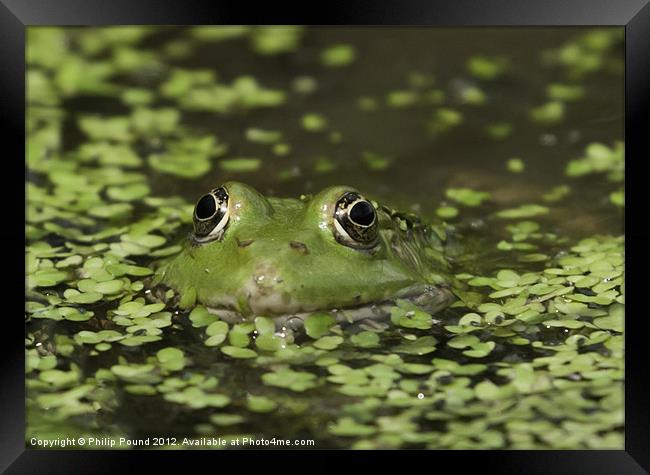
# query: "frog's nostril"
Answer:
x=244 y=243
x=298 y=246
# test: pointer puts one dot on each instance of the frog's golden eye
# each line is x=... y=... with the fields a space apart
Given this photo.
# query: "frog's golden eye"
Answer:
x=211 y=215
x=355 y=221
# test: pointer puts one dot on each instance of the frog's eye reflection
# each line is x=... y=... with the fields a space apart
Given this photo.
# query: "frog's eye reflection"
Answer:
x=355 y=221
x=211 y=215
x=362 y=213
x=206 y=207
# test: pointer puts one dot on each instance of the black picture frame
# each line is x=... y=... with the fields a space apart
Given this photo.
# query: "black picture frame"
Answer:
x=634 y=15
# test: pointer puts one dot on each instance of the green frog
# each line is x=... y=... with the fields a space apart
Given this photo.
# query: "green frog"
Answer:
x=333 y=251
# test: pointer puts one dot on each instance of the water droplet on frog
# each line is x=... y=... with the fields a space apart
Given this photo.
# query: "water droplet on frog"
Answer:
x=420 y=396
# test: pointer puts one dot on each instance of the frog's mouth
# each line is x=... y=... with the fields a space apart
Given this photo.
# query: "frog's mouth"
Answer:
x=430 y=298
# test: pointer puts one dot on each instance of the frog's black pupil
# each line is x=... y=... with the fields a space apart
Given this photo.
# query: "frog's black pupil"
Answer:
x=206 y=207
x=362 y=213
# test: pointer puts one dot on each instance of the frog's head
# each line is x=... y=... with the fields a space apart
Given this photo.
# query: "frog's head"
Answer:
x=258 y=255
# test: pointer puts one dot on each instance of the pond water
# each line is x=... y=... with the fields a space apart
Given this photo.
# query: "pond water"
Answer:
x=511 y=137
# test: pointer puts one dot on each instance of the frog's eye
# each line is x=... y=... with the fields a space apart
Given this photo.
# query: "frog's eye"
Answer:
x=355 y=221
x=211 y=215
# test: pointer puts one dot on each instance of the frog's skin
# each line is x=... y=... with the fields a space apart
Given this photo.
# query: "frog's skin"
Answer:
x=287 y=257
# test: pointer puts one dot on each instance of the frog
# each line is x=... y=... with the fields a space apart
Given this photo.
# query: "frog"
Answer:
x=333 y=251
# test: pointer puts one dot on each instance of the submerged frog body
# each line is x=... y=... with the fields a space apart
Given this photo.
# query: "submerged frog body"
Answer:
x=334 y=251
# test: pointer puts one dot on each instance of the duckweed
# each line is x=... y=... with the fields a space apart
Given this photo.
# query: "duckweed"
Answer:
x=549 y=113
x=294 y=380
x=599 y=158
x=556 y=193
x=515 y=165
x=273 y=40
x=263 y=136
x=444 y=119
x=565 y=92
x=318 y=324
x=313 y=122
x=338 y=55
x=467 y=196
x=375 y=161
x=487 y=68
x=523 y=211
x=499 y=130
x=240 y=164
x=617 y=198
x=238 y=353
x=447 y=212
x=585 y=54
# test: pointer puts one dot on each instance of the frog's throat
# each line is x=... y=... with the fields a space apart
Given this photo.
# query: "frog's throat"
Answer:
x=430 y=298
